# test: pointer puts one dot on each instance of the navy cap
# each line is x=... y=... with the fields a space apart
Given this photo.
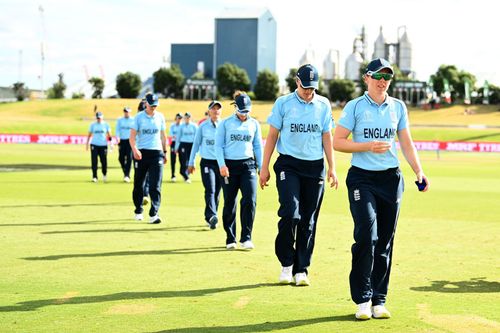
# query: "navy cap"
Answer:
x=126 y=109
x=152 y=100
x=177 y=116
x=377 y=65
x=214 y=103
x=243 y=103
x=187 y=114
x=99 y=115
x=308 y=76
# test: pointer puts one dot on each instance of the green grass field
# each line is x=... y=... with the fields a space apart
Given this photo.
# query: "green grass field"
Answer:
x=74 y=260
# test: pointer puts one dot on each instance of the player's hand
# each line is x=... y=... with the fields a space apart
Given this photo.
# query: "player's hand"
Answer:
x=420 y=177
x=379 y=147
x=264 y=177
x=224 y=171
x=191 y=169
x=332 y=178
x=137 y=154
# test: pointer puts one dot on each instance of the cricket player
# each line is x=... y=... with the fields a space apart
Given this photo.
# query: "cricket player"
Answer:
x=238 y=148
x=148 y=140
x=375 y=184
x=98 y=138
x=300 y=126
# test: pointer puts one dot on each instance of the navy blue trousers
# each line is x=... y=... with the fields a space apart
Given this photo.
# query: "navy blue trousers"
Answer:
x=242 y=177
x=375 y=199
x=300 y=186
x=184 y=153
x=150 y=165
x=211 y=179
x=173 y=158
x=125 y=156
x=102 y=153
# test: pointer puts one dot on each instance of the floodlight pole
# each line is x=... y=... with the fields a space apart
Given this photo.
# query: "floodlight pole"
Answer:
x=42 y=53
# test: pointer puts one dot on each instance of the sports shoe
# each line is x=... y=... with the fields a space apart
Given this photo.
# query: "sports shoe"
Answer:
x=301 y=279
x=212 y=223
x=364 y=312
x=231 y=246
x=126 y=179
x=104 y=178
x=173 y=179
x=145 y=201
x=139 y=217
x=154 y=219
x=94 y=180
x=380 y=312
x=247 y=245
x=188 y=181
x=286 y=275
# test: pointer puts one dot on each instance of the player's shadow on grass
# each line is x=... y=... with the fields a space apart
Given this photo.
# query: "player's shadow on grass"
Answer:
x=63 y=223
x=269 y=326
x=474 y=285
x=91 y=204
x=130 y=253
x=36 y=167
x=127 y=296
x=97 y=231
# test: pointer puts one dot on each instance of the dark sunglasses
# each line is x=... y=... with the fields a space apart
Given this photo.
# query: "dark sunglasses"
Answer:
x=379 y=76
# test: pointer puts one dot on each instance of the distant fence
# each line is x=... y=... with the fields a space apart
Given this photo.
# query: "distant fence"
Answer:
x=465 y=146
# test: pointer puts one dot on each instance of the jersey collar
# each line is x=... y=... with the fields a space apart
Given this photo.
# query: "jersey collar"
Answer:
x=313 y=100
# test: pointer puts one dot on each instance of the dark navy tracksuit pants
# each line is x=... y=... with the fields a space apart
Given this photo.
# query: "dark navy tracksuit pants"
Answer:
x=125 y=156
x=300 y=186
x=184 y=153
x=211 y=179
x=243 y=177
x=151 y=165
x=375 y=198
x=173 y=158
x=102 y=152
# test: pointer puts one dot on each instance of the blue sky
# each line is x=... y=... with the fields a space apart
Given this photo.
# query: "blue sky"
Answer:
x=111 y=37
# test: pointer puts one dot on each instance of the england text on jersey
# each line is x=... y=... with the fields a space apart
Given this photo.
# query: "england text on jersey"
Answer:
x=379 y=133
x=304 y=128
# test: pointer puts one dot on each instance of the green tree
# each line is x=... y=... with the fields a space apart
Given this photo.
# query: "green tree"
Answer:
x=341 y=90
x=290 y=79
x=230 y=78
x=20 y=91
x=78 y=95
x=97 y=85
x=450 y=73
x=58 y=88
x=128 y=85
x=267 y=86
x=169 y=81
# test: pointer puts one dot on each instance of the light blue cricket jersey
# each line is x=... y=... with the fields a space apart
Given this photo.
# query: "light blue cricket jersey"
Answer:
x=204 y=141
x=186 y=134
x=149 y=130
x=123 y=126
x=301 y=125
x=238 y=140
x=174 y=130
x=99 y=131
x=369 y=122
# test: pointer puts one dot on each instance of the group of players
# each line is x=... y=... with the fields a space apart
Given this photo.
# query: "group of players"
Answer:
x=300 y=129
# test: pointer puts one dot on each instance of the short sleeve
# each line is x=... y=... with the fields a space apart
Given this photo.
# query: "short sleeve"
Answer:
x=347 y=119
x=403 y=119
x=328 y=121
x=275 y=119
x=135 y=124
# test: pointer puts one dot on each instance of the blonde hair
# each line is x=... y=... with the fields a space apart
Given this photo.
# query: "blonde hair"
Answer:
x=238 y=93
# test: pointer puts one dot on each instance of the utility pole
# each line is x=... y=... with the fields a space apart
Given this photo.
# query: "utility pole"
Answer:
x=42 y=53
x=20 y=68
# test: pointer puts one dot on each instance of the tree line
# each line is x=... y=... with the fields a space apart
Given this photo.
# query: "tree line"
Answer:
x=170 y=82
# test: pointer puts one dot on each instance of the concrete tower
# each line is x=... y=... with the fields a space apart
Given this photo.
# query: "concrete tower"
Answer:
x=404 y=53
x=331 y=65
x=354 y=61
x=379 y=46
